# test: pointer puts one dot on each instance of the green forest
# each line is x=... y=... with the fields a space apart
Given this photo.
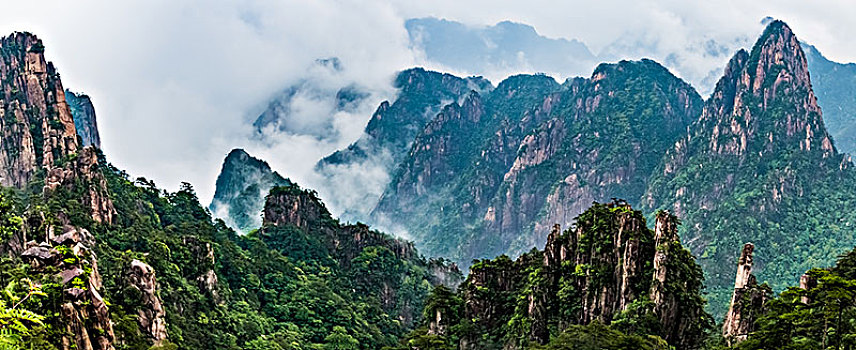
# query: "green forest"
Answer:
x=278 y=287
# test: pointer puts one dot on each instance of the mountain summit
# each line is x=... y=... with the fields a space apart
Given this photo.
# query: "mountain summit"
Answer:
x=36 y=125
x=241 y=187
x=757 y=161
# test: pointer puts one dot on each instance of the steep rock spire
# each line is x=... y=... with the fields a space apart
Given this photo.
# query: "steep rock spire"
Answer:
x=747 y=301
x=595 y=271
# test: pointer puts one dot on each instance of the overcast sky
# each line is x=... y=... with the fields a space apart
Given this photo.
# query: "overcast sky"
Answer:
x=176 y=83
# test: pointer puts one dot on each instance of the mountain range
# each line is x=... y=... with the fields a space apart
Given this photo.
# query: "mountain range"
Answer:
x=327 y=101
x=484 y=171
x=479 y=174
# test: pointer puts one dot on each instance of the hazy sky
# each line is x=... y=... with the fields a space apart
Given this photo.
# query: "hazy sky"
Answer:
x=176 y=83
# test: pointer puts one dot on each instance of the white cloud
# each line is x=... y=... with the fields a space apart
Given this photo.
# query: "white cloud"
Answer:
x=175 y=83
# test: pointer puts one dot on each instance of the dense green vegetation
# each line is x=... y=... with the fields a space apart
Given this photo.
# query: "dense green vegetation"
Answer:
x=281 y=289
x=590 y=288
x=822 y=316
x=16 y=321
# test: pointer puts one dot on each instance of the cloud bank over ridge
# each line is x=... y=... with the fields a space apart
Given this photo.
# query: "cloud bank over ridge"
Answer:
x=176 y=85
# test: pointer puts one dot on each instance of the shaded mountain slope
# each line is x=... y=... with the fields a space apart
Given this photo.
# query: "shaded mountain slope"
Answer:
x=835 y=86
x=240 y=190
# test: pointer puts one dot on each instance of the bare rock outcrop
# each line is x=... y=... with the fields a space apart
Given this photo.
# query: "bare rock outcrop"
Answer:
x=152 y=317
x=38 y=129
x=289 y=205
x=36 y=124
x=207 y=278
x=673 y=273
x=84 y=313
x=807 y=282
x=747 y=302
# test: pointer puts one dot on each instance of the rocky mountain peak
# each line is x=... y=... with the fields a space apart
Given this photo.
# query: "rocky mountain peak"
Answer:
x=241 y=187
x=36 y=124
x=151 y=316
x=765 y=102
x=83 y=173
x=70 y=257
x=778 y=50
x=238 y=158
x=291 y=205
x=760 y=149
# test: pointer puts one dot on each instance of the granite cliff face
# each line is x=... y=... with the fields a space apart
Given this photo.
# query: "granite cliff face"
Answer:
x=604 y=141
x=151 y=314
x=205 y=275
x=83 y=112
x=240 y=190
x=82 y=176
x=447 y=161
x=36 y=124
x=493 y=173
x=608 y=268
x=757 y=160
